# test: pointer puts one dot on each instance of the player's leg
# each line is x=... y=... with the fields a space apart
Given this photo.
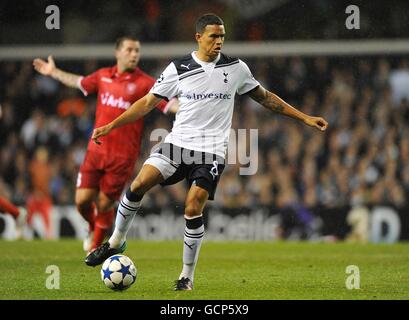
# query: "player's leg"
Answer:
x=104 y=218
x=85 y=203
x=40 y=205
x=118 y=172
x=21 y=222
x=203 y=179
x=148 y=177
x=160 y=167
x=7 y=207
x=194 y=232
x=18 y=213
x=46 y=206
x=87 y=189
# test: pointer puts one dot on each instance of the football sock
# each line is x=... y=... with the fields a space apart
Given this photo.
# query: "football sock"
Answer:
x=6 y=206
x=103 y=223
x=194 y=232
x=89 y=214
x=127 y=209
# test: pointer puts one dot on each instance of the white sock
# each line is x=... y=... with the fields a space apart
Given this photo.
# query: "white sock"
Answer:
x=124 y=217
x=192 y=241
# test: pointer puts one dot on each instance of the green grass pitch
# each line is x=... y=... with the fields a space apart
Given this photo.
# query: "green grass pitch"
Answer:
x=226 y=270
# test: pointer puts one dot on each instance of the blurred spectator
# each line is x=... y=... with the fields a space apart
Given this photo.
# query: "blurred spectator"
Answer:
x=399 y=82
x=39 y=200
x=35 y=131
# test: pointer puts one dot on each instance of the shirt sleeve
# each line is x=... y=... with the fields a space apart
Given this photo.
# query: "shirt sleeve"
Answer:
x=247 y=82
x=89 y=84
x=162 y=105
x=167 y=85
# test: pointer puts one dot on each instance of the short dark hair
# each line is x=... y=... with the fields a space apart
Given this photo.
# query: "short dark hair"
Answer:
x=120 y=41
x=206 y=19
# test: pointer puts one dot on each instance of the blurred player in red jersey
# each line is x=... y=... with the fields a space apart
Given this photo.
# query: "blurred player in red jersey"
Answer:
x=6 y=207
x=105 y=171
x=18 y=213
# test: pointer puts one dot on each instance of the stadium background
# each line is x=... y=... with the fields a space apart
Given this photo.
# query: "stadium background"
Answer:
x=350 y=183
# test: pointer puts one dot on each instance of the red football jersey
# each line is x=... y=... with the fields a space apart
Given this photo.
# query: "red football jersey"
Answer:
x=116 y=93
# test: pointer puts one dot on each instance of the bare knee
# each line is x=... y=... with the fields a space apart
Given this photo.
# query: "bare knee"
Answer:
x=192 y=211
x=147 y=178
x=195 y=202
x=104 y=203
x=83 y=201
x=194 y=207
x=139 y=187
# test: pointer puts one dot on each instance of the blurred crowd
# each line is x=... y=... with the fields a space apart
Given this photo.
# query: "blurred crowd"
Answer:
x=363 y=158
x=169 y=21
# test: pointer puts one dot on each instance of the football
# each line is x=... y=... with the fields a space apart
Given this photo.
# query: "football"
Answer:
x=118 y=272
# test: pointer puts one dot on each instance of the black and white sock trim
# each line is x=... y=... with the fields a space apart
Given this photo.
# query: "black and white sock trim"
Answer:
x=194 y=223
x=128 y=207
x=193 y=235
x=194 y=228
x=132 y=197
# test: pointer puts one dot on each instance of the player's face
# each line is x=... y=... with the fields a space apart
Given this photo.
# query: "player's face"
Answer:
x=128 y=54
x=211 y=40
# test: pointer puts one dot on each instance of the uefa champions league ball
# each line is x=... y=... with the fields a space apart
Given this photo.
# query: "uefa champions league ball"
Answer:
x=118 y=272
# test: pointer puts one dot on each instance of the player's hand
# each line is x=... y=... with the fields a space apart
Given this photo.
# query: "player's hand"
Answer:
x=43 y=67
x=100 y=132
x=317 y=122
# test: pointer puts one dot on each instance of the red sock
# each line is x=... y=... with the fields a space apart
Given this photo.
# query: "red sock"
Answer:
x=88 y=214
x=103 y=223
x=8 y=207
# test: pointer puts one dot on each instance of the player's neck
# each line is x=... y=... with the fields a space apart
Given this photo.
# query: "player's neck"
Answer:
x=121 y=69
x=204 y=57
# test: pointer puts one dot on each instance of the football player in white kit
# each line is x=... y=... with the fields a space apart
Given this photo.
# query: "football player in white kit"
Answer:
x=205 y=82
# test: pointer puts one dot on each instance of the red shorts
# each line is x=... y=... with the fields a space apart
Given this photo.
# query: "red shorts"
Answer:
x=107 y=173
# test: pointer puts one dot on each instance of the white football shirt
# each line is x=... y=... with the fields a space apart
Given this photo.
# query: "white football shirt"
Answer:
x=206 y=93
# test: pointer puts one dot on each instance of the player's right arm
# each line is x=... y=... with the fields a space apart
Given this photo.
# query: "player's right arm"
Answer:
x=48 y=68
x=164 y=88
x=136 y=111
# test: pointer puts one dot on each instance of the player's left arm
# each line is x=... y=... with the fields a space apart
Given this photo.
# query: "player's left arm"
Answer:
x=274 y=103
